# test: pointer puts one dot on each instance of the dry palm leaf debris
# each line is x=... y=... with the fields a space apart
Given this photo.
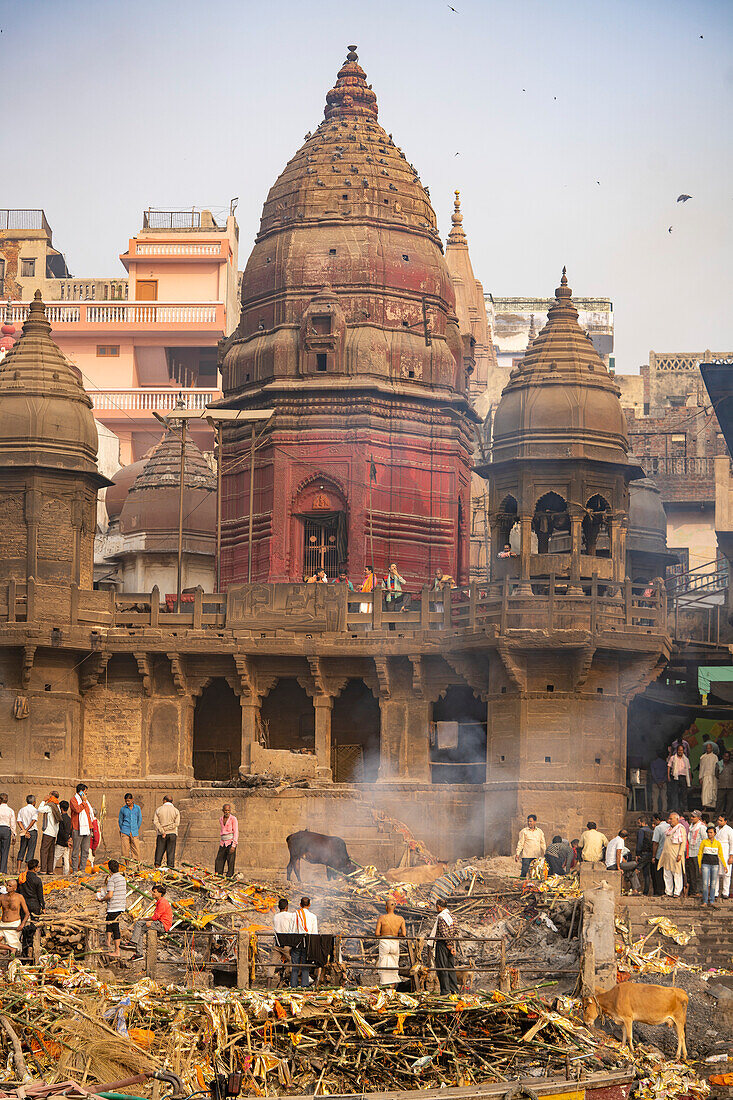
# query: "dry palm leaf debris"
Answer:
x=73 y=1024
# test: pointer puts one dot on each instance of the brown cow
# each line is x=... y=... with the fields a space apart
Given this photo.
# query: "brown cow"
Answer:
x=649 y=1004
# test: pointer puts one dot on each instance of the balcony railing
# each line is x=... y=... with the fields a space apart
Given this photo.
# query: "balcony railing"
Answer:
x=145 y=399
x=683 y=466
x=90 y=290
x=185 y=249
x=493 y=609
x=127 y=313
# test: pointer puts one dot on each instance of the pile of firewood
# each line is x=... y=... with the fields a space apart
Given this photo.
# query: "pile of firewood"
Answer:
x=68 y=934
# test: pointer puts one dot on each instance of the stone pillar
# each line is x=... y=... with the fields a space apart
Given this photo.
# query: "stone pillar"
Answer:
x=576 y=541
x=525 y=530
x=323 y=705
x=392 y=739
x=417 y=749
x=250 y=705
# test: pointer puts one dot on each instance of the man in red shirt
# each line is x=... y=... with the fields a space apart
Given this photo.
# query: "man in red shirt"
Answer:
x=161 y=920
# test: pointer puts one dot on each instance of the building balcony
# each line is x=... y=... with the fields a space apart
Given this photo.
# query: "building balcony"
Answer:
x=217 y=251
x=145 y=317
x=682 y=480
x=134 y=408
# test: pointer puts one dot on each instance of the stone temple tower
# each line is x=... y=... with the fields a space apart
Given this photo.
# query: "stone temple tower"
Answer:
x=348 y=330
x=577 y=640
x=48 y=462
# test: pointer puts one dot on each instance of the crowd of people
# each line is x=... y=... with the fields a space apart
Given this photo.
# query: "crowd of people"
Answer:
x=674 y=855
x=392 y=584
x=671 y=776
x=70 y=832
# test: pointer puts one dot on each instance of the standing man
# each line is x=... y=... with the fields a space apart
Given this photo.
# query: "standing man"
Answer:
x=658 y=773
x=444 y=937
x=49 y=816
x=678 y=778
x=7 y=832
x=393 y=583
x=129 y=820
x=695 y=837
x=62 y=851
x=530 y=845
x=13 y=916
x=708 y=771
x=673 y=857
x=390 y=927
x=228 y=840
x=307 y=923
x=167 y=820
x=30 y=886
x=161 y=920
x=27 y=818
x=592 y=843
x=282 y=925
x=114 y=892
x=644 y=853
x=661 y=828
x=724 y=803
x=725 y=835
x=82 y=816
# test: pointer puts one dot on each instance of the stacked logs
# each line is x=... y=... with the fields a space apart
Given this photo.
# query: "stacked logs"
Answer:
x=68 y=934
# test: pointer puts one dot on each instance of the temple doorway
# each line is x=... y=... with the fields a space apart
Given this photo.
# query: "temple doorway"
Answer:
x=458 y=738
x=288 y=718
x=356 y=724
x=217 y=733
x=320 y=549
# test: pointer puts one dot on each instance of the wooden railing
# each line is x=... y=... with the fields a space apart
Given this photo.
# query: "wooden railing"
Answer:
x=506 y=605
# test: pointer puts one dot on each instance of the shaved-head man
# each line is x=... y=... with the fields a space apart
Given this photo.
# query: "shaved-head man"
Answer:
x=390 y=927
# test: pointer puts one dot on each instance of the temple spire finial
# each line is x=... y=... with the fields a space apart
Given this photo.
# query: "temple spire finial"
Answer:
x=351 y=96
x=457 y=234
x=563 y=291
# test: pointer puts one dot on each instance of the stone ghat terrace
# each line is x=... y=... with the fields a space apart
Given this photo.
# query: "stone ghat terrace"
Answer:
x=307 y=610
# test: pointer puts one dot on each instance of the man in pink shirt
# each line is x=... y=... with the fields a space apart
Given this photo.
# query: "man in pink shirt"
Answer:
x=228 y=839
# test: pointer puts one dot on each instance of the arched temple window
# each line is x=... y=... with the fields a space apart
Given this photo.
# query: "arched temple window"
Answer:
x=596 y=525
x=551 y=518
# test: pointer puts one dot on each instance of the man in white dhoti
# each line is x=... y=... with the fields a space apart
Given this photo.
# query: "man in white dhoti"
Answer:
x=390 y=927
x=14 y=916
x=709 y=777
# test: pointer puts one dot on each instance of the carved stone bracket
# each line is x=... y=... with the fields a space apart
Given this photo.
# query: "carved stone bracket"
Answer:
x=384 y=676
x=315 y=664
x=640 y=675
x=92 y=670
x=516 y=671
x=145 y=669
x=29 y=652
x=418 y=683
x=474 y=671
x=178 y=672
x=247 y=676
x=583 y=661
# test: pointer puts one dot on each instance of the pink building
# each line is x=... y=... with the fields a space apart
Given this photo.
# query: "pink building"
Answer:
x=143 y=340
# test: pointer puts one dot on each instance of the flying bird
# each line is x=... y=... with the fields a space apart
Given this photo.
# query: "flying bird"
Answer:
x=456 y=154
x=670 y=229
x=598 y=182
x=683 y=198
x=454 y=9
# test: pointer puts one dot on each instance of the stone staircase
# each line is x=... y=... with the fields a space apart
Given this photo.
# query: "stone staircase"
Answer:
x=712 y=944
x=266 y=818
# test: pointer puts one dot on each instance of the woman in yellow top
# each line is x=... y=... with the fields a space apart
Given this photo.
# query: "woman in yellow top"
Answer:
x=710 y=858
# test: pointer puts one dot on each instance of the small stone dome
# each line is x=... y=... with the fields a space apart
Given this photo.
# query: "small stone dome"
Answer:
x=647 y=518
x=46 y=417
x=152 y=503
x=122 y=482
x=561 y=402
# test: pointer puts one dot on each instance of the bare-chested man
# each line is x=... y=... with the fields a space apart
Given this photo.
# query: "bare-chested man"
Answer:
x=390 y=927
x=14 y=912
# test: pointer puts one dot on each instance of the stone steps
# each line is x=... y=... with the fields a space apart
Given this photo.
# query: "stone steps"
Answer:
x=712 y=943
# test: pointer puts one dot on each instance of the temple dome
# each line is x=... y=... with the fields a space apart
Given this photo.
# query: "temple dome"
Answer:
x=647 y=518
x=122 y=482
x=561 y=402
x=152 y=502
x=46 y=417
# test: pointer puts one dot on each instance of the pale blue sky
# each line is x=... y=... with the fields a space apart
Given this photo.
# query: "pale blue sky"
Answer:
x=111 y=108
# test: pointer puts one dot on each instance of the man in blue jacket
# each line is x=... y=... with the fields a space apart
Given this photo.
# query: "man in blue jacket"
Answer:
x=129 y=821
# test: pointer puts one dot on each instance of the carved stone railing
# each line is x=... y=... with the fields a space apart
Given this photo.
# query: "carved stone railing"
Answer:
x=307 y=610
